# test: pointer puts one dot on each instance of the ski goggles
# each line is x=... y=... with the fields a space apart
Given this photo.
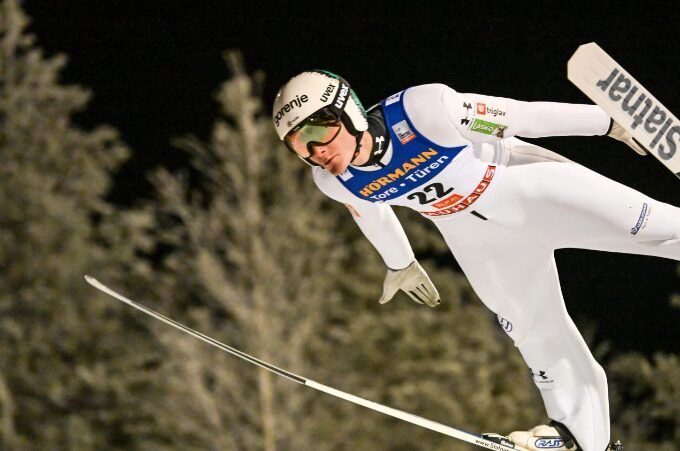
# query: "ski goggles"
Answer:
x=319 y=129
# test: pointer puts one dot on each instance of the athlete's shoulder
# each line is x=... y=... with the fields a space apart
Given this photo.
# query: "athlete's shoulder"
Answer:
x=431 y=92
x=322 y=178
x=431 y=109
x=329 y=184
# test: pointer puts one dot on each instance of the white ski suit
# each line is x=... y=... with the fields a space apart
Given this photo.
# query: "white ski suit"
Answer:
x=503 y=206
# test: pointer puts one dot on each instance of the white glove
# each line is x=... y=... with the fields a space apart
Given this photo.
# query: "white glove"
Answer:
x=414 y=281
x=621 y=134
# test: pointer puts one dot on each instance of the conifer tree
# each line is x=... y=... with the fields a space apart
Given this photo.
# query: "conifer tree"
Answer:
x=250 y=257
x=61 y=362
x=645 y=400
x=645 y=397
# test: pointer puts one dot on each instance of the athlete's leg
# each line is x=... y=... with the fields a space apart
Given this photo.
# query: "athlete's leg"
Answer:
x=544 y=202
x=574 y=207
x=516 y=277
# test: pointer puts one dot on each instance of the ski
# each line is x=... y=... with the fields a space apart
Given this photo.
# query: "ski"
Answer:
x=488 y=441
x=624 y=98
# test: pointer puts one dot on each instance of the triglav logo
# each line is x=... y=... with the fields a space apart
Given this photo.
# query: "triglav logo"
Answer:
x=296 y=102
x=657 y=119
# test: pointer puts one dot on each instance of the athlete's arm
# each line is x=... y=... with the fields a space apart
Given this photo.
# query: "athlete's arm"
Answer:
x=381 y=227
x=484 y=118
x=378 y=222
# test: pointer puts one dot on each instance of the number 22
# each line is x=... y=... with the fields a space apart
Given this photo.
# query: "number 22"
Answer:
x=438 y=189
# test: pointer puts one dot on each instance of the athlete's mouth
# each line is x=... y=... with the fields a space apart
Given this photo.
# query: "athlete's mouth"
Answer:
x=325 y=163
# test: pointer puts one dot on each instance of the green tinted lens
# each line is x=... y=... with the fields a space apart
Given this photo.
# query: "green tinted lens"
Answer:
x=318 y=129
x=317 y=133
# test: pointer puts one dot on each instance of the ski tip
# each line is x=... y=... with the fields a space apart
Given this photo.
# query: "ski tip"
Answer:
x=89 y=279
x=589 y=45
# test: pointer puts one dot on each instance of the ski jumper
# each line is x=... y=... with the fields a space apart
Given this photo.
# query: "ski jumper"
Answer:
x=503 y=206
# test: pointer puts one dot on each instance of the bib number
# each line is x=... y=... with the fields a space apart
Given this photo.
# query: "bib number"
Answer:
x=423 y=198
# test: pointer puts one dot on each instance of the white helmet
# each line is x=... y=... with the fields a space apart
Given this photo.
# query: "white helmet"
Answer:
x=311 y=91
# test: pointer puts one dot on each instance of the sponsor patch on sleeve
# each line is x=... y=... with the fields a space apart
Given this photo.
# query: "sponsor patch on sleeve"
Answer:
x=488 y=128
x=485 y=116
x=467 y=111
x=642 y=220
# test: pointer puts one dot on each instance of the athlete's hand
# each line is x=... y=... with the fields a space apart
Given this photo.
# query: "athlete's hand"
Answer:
x=414 y=281
x=620 y=133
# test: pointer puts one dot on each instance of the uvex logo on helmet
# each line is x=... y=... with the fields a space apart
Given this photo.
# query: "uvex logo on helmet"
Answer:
x=322 y=89
x=342 y=96
x=326 y=94
x=296 y=102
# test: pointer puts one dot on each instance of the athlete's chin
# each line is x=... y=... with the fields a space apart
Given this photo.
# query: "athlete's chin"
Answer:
x=336 y=168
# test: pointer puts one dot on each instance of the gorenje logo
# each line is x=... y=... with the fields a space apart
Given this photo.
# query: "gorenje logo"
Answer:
x=549 y=443
x=327 y=93
x=296 y=102
x=342 y=96
x=658 y=120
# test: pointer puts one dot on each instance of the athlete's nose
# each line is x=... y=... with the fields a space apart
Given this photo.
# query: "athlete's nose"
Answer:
x=319 y=150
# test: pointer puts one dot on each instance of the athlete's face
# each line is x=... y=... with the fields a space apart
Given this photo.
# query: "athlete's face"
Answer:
x=337 y=154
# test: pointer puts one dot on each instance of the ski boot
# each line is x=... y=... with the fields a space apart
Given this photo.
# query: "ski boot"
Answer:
x=544 y=438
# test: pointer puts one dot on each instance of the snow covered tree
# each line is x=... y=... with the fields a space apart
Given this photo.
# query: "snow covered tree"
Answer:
x=645 y=400
x=250 y=261
x=61 y=360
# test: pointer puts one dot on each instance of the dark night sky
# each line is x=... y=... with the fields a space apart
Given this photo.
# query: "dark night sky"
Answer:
x=154 y=67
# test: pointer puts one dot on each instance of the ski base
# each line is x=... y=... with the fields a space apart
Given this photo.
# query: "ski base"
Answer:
x=624 y=98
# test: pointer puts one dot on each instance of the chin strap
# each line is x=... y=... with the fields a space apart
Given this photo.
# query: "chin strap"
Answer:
x=380 y=137
x=357 y=148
